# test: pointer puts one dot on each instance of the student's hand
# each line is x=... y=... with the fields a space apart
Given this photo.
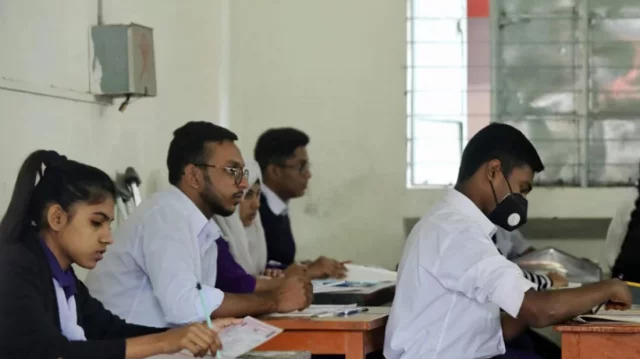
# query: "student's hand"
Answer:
x=273 y=273
x=558 y=279
x=295 y=270
x=295 y=293
x=196 y=338
x=620 y=298
x=324 y=267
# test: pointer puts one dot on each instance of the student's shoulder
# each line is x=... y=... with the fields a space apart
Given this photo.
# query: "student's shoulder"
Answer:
x=161 y=205
x=445 y=220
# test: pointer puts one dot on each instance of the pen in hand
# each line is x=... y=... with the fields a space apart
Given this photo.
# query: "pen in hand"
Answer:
x=621 y=277
x=204 y=310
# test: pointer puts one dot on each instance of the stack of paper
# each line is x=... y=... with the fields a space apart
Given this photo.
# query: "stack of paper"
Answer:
x=315 y=311
x=358 y=273
x=329 y=285
x=625 y=316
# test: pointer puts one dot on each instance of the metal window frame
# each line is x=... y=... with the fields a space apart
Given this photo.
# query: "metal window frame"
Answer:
x=582 y=116
x=410 y=91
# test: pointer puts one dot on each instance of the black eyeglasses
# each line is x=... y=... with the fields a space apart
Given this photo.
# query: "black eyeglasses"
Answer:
x=301 y=168
x=237 y=173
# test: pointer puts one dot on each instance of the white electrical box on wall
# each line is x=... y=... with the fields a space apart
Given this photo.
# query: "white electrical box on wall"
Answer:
x=122 y=60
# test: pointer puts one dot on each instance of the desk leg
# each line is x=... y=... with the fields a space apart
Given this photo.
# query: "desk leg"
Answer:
x=354 y=345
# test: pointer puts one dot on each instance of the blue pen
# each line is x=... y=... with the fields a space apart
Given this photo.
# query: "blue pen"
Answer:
x=204 y=310
x=352 y=311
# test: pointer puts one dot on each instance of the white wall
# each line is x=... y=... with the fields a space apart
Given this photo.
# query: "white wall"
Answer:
x=335 y=69
x=45 y=48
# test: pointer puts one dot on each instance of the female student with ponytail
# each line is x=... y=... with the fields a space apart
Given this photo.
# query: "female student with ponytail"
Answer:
x=60 y=213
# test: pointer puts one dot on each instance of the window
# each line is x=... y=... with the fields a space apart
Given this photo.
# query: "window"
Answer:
x=568 y=75
x=436 y=90
x=565 y=72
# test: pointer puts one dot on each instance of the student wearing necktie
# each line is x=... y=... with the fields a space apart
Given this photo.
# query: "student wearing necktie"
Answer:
x=284 y=162
x=165 y=256
x=60 y=214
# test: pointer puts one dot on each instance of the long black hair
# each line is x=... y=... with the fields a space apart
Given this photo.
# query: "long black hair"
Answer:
x=62 y=181
x=628 y=262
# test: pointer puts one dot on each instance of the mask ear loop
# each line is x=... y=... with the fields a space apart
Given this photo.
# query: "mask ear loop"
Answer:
x=507 y=180
x=495 y=196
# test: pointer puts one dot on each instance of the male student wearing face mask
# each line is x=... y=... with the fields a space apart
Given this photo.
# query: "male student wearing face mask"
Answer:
x=453 y=282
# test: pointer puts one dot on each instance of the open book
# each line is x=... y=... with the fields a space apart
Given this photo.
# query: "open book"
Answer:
x=624 y=316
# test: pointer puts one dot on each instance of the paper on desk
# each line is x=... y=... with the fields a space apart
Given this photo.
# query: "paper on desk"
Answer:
x=320 y=284
x=242 y=338
x=314 y=310
x=359 y=273
x=335 y=289
x=626 y=316
x=250 y=355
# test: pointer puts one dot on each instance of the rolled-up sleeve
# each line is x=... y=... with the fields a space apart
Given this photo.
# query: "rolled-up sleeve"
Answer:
x=169 y=262
x=473 y=266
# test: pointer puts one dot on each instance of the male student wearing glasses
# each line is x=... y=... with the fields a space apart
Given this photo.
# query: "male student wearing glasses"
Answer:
x=162 y=269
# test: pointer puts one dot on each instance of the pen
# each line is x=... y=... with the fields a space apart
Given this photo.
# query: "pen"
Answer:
x=204 y=310
x=633 y=284
x=324 y=315
x=352 y=311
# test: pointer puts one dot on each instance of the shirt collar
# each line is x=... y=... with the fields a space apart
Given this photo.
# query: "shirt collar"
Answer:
x=465 y=206
x=65 y=278
x=197 y=221
x=275 y=203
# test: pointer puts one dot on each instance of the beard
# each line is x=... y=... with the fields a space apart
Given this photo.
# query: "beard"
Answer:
x=212 y=199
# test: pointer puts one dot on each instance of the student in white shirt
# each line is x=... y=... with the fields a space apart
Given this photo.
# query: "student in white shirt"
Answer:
x=453 y=282
x=620 y=253
x=167 y=249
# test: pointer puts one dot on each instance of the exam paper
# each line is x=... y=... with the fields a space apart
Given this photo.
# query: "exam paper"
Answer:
x=242 y=338
x=236 y=340
x=627 y=316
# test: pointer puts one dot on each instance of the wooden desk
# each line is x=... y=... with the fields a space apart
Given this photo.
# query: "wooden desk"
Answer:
x=600 y=341
x=377 y=295
x=354 y=336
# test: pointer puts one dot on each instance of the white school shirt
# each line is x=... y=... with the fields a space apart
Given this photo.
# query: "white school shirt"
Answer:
x=68 y=314
x=617 y=231
x=275 y=203
x=452 y=282
x=149 y=275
